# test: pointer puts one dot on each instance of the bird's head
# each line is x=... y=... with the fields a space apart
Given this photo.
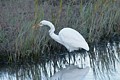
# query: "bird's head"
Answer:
x=45 y=23
x=42 y=23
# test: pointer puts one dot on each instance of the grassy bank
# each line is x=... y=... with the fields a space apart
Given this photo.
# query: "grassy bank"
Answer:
x=95 y=20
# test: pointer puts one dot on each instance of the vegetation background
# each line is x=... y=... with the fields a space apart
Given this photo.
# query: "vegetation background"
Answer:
x=96 y=20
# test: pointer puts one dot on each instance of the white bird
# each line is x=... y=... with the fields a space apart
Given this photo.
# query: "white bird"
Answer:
x=68 y=37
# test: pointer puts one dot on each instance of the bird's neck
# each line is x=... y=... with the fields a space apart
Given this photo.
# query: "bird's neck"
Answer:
x=56 y=37
x=51 y=31
x=52 y=34
x=52 y=28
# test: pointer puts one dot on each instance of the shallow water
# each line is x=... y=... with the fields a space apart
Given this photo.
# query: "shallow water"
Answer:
x=103 y=60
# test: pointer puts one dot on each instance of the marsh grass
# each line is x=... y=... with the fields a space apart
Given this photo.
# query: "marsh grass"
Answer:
x=103 y=60
x=95 y=20
x=19 y=42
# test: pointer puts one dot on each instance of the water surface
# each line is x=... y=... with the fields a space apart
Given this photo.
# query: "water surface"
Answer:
x=103 y=60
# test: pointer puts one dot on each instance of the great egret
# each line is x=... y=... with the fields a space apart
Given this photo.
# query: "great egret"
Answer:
x=68 y=37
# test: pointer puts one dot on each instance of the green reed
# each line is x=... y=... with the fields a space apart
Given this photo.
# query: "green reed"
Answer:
x=95 y=20
x=103 y=62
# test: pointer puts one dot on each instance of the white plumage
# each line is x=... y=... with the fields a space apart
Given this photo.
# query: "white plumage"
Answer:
x=68 y=37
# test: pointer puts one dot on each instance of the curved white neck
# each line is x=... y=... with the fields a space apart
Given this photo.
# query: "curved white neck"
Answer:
x=52 y=28
x=51 y=32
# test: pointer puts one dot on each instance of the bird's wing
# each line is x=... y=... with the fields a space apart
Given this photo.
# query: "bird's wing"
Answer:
x=72 y=38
